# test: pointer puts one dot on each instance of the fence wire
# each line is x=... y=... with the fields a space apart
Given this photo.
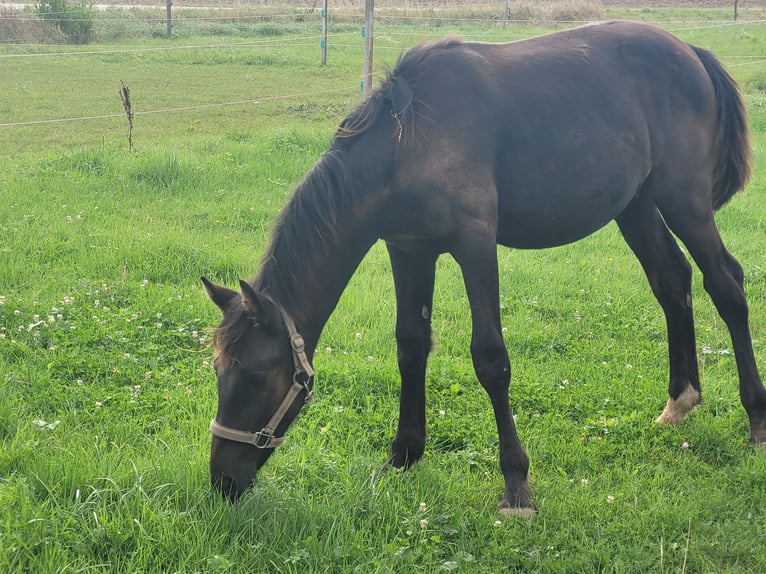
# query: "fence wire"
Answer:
x=334 y=40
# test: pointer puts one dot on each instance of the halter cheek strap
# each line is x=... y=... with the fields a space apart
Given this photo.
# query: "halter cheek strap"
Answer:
x=302 y=382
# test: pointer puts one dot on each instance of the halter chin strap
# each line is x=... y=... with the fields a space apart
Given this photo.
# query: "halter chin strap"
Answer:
x=302 y=382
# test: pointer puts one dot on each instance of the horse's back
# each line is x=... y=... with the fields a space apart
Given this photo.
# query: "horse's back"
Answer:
x=566 y=127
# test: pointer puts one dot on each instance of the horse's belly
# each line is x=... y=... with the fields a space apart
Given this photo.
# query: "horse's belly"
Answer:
x=545 y=230
x=557 y=217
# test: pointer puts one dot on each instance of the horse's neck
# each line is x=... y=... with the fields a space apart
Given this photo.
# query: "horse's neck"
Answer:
x=324 y=282
x=309 y=292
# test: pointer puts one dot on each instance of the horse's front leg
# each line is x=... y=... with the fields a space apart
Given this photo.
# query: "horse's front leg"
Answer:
x=414 y=284
x=477 y=258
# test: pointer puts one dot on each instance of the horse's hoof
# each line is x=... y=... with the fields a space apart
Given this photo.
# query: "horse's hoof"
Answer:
x=758 y=435
x=403 y=461
x=526 y=512
x=675 y=410
x=391 y=465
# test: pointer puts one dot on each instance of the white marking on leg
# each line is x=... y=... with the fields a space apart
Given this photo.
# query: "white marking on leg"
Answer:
x=675 y=410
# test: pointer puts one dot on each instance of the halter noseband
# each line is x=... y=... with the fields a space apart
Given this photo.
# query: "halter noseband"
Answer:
x=302 y=382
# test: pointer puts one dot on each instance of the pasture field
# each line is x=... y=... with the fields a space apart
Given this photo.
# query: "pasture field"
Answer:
x=106 y=388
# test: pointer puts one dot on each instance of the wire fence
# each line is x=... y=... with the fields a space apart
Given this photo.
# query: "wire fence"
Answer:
x=307 y=34
x=146 y=14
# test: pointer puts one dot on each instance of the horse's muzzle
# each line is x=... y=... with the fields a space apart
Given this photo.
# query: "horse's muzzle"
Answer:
x=229 y=487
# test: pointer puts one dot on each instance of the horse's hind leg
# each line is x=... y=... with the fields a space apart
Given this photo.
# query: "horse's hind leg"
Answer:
x=414 y=284
x=724 y=281
x=477 y=258
x=670 y=277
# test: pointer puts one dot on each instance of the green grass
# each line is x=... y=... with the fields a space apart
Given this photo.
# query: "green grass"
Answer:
x=106 y=390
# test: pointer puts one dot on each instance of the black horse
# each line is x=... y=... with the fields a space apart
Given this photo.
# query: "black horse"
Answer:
x=467 y=145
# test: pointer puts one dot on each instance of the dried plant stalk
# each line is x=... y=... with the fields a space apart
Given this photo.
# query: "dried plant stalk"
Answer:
x=126 y=103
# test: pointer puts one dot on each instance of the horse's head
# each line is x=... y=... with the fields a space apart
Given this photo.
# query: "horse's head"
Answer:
x=262 y=371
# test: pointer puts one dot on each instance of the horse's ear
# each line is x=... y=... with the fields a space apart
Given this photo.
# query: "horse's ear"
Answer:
x=258 y=306
x=219 y=294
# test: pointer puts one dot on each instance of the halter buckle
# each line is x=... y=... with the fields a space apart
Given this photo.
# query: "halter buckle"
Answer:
x=263 y=434
x=297 y=343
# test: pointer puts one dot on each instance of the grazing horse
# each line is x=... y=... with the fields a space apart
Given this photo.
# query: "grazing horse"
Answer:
x=467 y=145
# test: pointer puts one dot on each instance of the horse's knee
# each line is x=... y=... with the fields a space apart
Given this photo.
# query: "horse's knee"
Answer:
x=412 y=351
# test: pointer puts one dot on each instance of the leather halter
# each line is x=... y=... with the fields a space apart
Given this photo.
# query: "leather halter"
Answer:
x=302 y=382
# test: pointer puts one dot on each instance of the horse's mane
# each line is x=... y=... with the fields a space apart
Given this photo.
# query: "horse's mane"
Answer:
x=311 y=217
x=303 y=228
x=306 y=224
x=394 y=95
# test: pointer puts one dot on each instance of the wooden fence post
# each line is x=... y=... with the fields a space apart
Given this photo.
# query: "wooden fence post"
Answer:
x=323 y=41
x=369 y=17
x=170 y=25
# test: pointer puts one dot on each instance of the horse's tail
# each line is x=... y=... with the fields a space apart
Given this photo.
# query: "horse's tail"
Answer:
x=732 y=141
